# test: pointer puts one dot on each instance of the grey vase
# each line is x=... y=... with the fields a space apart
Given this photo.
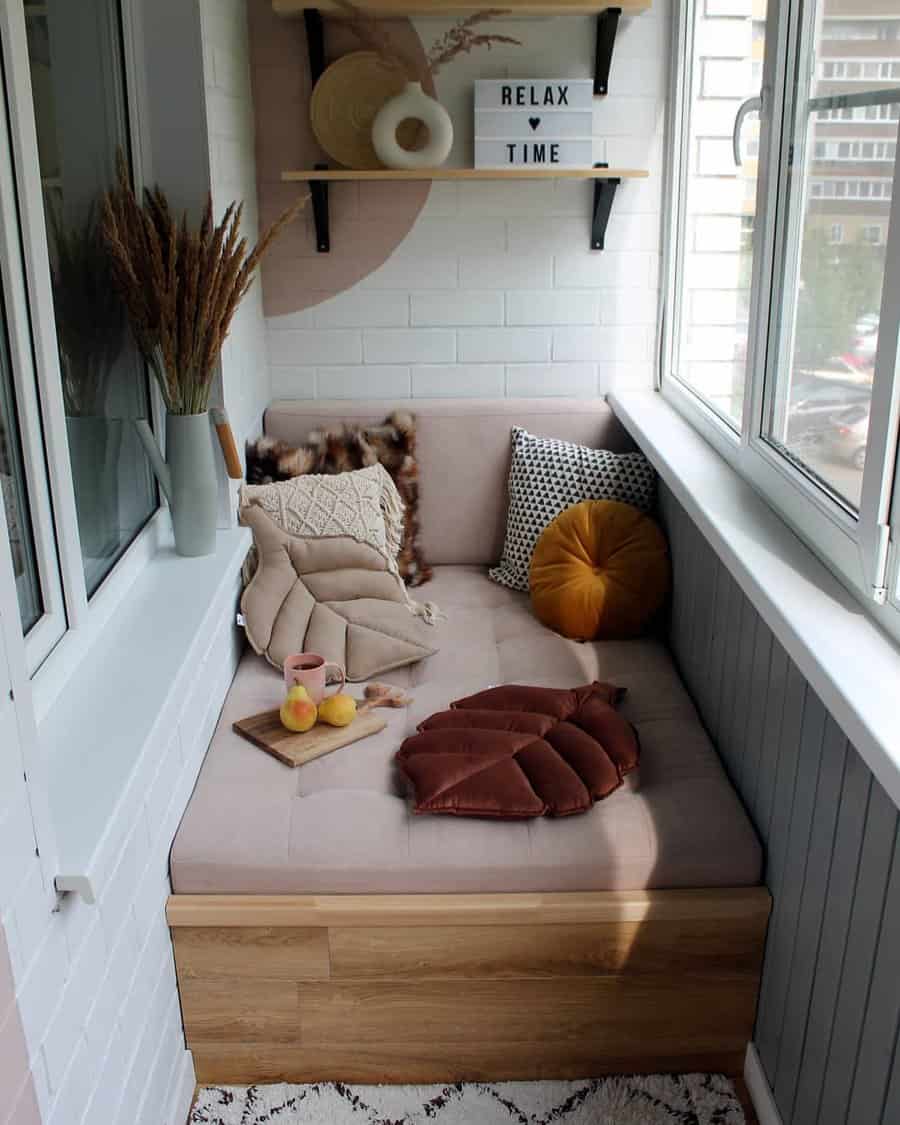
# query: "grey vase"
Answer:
x=188 y=479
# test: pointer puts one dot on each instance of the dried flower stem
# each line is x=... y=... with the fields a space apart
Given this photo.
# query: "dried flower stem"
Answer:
x=462 y=38
x=459 y=40
x=180 y=287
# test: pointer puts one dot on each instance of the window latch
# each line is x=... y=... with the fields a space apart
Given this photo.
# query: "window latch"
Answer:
x=882 y=543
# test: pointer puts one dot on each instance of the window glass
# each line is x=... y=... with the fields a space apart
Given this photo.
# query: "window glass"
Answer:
x=75 y=54
x=817 y=410
x=718 y=205
x=16 y=505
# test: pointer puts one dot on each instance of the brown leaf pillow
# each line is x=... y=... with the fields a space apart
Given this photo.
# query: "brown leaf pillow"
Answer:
x=516 y=752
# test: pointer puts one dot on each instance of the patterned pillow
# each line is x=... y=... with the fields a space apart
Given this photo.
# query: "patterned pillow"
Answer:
x=546 y=477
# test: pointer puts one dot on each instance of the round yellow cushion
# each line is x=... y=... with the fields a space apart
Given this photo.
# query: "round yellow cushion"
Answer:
x=600 y=570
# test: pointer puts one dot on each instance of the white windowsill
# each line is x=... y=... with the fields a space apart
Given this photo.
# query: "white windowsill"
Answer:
x=850 y=663
x=126 y=696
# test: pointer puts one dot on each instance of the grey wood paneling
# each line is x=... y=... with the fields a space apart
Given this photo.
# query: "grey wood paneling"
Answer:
x=828 y=1025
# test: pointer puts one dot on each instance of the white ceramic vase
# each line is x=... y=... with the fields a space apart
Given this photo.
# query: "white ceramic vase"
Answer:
x=413 y=104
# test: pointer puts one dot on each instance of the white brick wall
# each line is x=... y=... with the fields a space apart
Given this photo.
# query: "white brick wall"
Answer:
x=246 y=382
x=495 y=291
x=95 y=985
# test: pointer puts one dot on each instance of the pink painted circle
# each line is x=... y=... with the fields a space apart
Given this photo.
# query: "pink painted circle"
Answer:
x=368 y=220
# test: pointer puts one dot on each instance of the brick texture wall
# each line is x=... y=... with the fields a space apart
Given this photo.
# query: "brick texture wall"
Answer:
x=90 y=1024
x=495 y=291
x=95 y=985
x=245 y=373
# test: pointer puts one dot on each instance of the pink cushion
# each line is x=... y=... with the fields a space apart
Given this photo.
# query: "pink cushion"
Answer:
x=463 y=450
x=341 y=824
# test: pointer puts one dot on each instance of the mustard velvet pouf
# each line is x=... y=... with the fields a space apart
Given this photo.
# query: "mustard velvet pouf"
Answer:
x=599 y=571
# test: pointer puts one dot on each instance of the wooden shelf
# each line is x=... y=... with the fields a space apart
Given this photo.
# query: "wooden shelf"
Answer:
x=331 y=174
x=511 y=8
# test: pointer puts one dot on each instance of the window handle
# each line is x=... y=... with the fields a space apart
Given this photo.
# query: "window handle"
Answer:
x=751 y=105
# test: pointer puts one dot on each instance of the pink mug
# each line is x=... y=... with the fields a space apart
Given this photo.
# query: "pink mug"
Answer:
x=310 y=669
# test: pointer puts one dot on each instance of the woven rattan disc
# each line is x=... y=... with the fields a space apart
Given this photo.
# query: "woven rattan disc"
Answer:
x=344 y=103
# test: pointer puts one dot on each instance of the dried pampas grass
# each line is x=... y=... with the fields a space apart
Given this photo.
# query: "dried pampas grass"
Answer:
x=458 y=40
x=180 y=287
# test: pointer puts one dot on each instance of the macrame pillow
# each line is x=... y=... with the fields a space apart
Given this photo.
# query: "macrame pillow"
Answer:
x=516 y=752
x=325 y=575
x=547 y=476
x=349 y=447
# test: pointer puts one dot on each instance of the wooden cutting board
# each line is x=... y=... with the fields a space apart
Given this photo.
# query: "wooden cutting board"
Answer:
x=266 y=732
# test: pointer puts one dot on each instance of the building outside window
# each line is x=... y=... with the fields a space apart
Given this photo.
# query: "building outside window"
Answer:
x=772 y=342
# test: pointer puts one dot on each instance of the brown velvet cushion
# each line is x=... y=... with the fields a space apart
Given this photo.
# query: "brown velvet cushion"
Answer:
x=516 y=752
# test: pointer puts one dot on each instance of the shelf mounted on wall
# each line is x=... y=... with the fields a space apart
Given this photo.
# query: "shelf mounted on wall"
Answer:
x=605 y=182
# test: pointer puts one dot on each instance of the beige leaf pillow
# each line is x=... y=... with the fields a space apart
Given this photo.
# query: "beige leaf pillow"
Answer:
x=326 y=575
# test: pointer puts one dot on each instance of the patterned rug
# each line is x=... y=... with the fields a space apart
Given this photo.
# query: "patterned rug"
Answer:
x=655 y=1099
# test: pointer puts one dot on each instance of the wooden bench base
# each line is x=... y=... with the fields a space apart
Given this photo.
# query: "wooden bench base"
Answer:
x=441 y=988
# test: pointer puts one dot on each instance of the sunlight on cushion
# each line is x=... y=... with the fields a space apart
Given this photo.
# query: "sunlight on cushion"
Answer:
x=599 y=570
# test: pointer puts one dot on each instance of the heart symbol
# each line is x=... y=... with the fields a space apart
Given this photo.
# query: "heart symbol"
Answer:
x=534 y=122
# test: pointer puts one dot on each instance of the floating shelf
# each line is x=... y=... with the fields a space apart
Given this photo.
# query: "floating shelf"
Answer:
x=332 y=174
x=511 y=8
x=605 y=180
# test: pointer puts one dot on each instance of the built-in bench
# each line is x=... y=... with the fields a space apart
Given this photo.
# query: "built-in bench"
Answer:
x=322 y=931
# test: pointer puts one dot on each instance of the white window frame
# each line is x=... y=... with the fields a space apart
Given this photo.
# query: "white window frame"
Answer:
x=48 y=629
x=52 y=654
x=862 y=552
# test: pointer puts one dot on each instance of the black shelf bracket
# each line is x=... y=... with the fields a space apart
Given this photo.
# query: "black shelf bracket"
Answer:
x=318 y=189
x=604 y=194
x=607 y=24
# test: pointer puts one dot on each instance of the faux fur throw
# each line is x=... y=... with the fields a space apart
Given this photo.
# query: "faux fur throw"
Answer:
x=349 y=447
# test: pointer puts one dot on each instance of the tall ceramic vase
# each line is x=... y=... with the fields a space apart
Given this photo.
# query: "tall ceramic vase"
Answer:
x=188 y=479
x=412 y=104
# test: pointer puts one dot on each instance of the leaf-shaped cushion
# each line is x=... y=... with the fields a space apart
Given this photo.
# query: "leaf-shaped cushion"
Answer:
x=334 y=596
x=516 y=752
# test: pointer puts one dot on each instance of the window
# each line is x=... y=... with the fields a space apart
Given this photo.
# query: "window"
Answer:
x=808 y=408
x=81 y=119
x=716 y=208
x=77 y=488
x=16 y=504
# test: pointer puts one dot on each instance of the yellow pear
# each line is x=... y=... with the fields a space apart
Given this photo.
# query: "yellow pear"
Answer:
x=337 y=710
x=298 y=712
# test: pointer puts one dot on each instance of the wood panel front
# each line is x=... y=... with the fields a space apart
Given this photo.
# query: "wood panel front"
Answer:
x=509 y=987
x=621 y=1015
x=220 y=1063
x=277 y=952
x=676 y=947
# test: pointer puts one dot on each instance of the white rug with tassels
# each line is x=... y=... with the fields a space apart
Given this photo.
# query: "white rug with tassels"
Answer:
x=655 y=1099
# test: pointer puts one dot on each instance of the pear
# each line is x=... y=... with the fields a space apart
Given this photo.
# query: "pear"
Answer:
x=298 y=712
x=337 y=710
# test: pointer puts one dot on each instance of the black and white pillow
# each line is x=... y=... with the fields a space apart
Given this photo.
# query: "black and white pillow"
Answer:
x=546 y=477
